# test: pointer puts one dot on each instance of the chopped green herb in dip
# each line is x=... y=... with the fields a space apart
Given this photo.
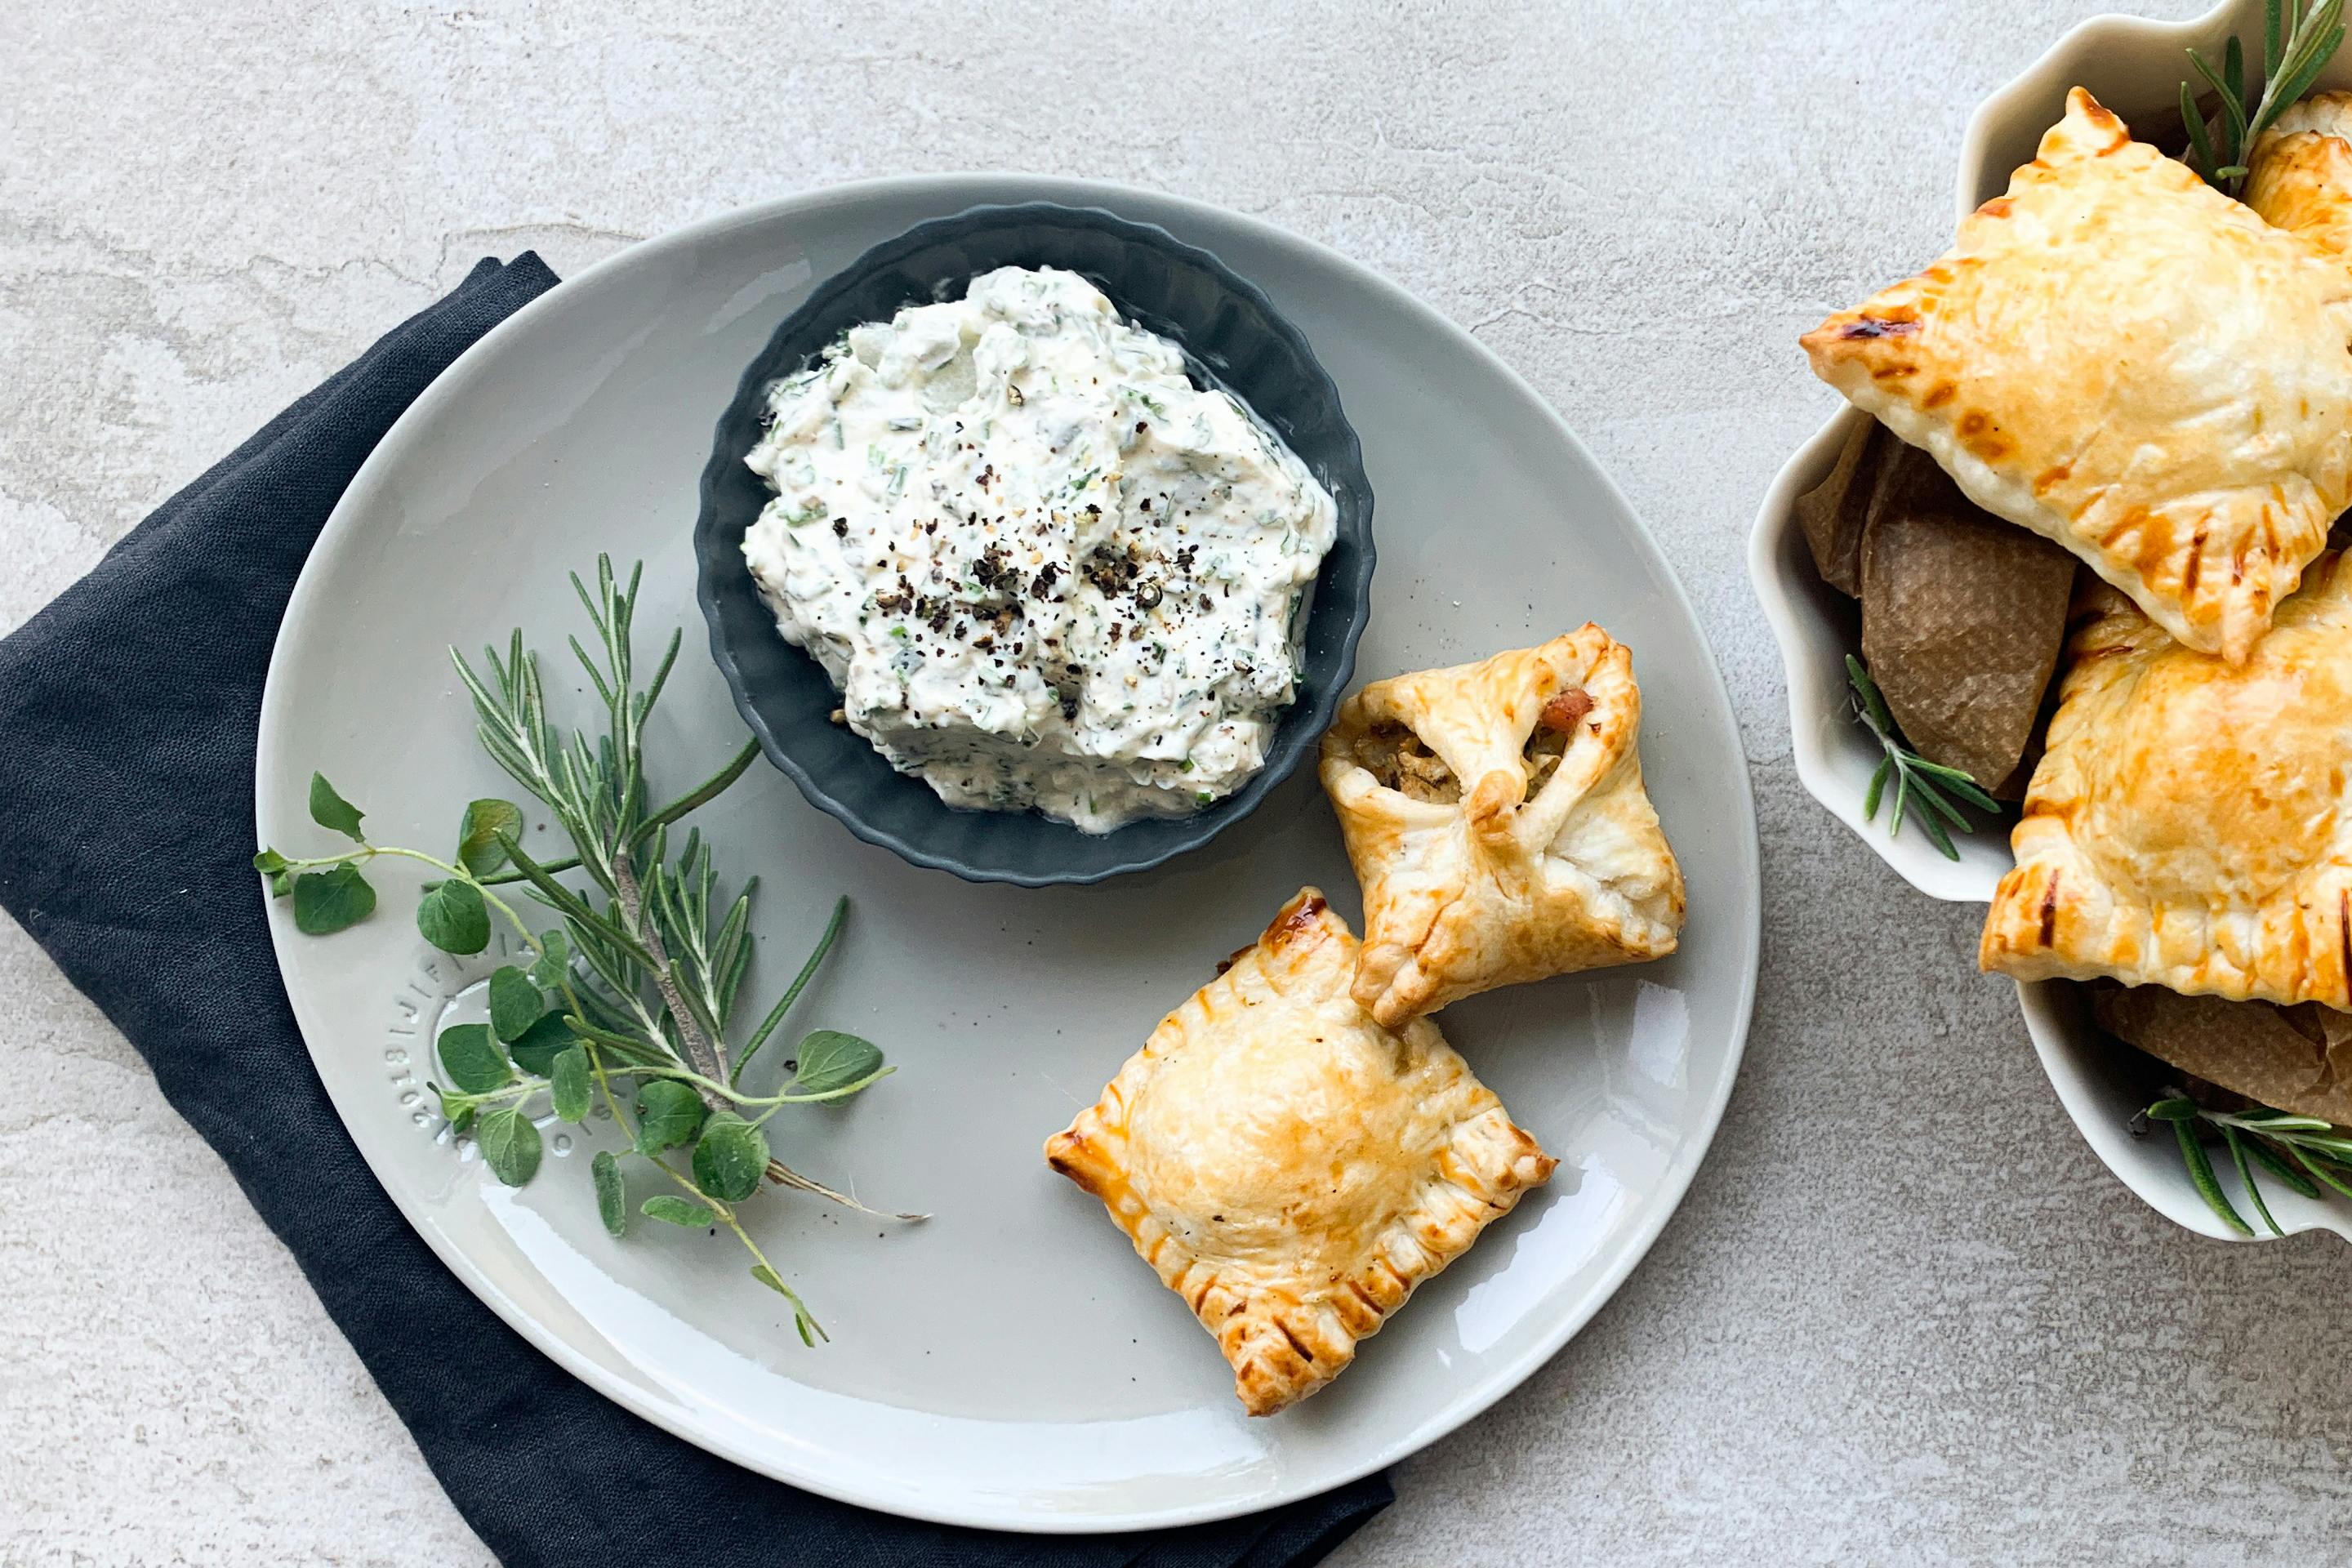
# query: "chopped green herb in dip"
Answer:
x=1044 y=569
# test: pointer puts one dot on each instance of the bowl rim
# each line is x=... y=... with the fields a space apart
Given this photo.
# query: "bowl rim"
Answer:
x=1299 y=728
x=2147 y=1167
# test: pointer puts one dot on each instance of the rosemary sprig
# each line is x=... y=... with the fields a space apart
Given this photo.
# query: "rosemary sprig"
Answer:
x=2298 y=40
x=2305 y=1153
x=629 y=998
x=1916 y=778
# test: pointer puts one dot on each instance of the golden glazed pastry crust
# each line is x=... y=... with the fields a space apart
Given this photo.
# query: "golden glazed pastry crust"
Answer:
x=2299 y=175
x=1291 y=1169
x=2123 y=360
x=2188 y=827
x=1535 y=867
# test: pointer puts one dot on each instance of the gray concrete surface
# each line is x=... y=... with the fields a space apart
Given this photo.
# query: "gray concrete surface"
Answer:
x=1904 y=1316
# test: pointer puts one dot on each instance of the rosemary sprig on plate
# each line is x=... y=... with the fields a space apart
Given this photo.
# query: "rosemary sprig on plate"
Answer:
x=2302 y=1153
x=1916 y=778
x=628 y=1000
x=2298 y=40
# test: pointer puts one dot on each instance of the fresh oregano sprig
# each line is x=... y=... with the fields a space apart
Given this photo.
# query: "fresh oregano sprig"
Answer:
x=1916 y=778
x=628 y=999
x=2305 y=1153
x=2298 y=40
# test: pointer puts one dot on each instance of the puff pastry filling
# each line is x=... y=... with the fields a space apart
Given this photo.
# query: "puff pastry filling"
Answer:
x=2299 y=177
x=1397 y=759
x=1496 y=819
x=2125 y=361
x=1288 y=1167
x=2188 y=825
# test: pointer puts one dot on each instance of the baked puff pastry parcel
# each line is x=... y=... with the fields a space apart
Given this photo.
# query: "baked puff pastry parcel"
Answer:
x=1291 y=1169
x=2190 y=826
x=1495 y=816
x=2125 y=361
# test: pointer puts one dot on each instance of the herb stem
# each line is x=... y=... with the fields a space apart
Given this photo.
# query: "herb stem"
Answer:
x=777 y=1102
x=705 y=1052
x=367 y=852
x=510 y=875
x=802 y=1320
x=712 y=1092
x=783 y=1175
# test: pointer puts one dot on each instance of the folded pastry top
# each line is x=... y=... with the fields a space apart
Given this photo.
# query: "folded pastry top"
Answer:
x=2189 y=826
x=2123 y=359
x=1291 y=1169
x=2299 y=175
x=1496 y=819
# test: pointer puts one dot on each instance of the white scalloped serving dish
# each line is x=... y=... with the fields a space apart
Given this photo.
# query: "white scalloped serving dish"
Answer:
x=2134 y=66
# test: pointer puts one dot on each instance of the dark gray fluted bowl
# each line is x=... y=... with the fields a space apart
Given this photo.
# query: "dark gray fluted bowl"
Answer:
x=1231 y=337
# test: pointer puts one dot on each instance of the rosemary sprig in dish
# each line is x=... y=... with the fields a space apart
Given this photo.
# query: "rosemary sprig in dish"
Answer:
x=1916 y=778
x=2304 y=1152
x=2297 y=43
x=627 y=1003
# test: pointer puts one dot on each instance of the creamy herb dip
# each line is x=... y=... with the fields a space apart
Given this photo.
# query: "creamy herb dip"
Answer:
x=1042 y=567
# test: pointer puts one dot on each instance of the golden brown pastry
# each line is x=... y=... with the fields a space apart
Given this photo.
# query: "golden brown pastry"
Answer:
x=2299 y=175
x=2188 y=825
x=1291 y=1169
x=1495 y=816
x=2121 y=358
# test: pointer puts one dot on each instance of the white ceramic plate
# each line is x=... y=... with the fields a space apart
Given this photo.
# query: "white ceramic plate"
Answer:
x=2132 y=66
x=1010 y=1364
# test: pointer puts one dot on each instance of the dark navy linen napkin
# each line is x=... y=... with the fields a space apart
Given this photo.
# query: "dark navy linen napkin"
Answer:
x=128 y=710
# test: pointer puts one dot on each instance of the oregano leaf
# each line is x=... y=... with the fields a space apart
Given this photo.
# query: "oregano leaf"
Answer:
x=730 y=1158
x=515 y=1002
x=473 y=1059
x=554 y=960
x=509 y=1144
x=830 y=1060
x=329 y=809
x=269 y=862
x=611 y=1198
x=668 y=1113
x=674 y=1210
x=535 y=1053
x=478 y=849
x=330 y=901
x=567 y=1083
x=453 y=918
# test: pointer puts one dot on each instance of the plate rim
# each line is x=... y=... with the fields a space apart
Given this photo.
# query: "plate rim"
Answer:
x=963 y=189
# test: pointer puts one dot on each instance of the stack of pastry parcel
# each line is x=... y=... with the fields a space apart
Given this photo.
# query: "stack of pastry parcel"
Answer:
x=2155 y=378
x=1297 y=1147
